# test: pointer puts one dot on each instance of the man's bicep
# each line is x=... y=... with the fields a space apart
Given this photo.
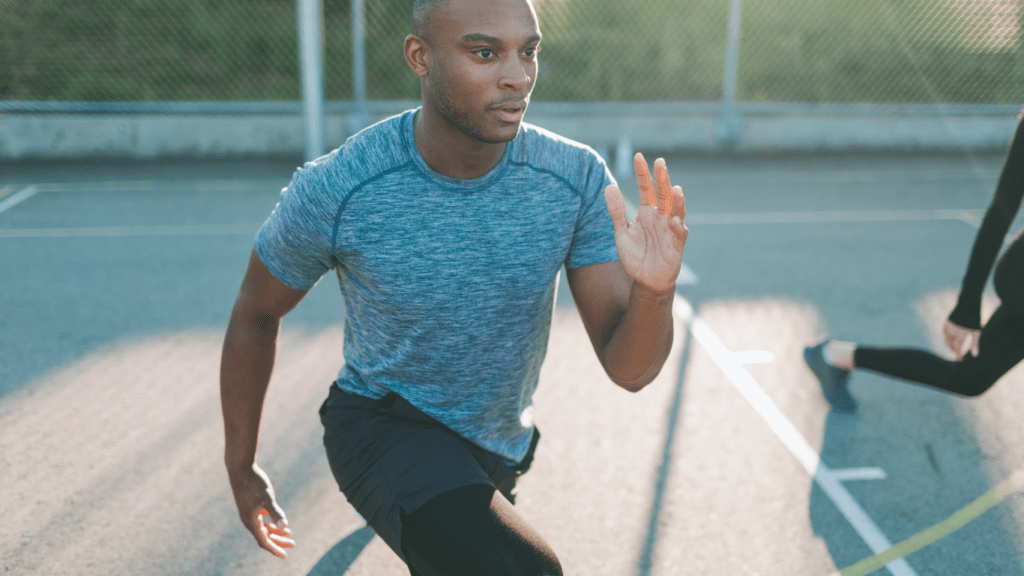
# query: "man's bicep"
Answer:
x=601 y=293
x=263 y=294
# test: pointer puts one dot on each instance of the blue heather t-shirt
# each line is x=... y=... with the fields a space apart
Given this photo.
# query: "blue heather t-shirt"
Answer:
x=449 y=285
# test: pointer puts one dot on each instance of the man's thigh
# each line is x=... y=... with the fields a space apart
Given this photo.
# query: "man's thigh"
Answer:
x=474 y=530
x=389 y=459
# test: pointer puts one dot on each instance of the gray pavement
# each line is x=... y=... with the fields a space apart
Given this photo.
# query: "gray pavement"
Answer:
x=117 y=284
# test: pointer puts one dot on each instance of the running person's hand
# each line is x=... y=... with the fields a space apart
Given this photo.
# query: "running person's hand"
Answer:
x=651 y=246
x=961 y=340
x=258 y=509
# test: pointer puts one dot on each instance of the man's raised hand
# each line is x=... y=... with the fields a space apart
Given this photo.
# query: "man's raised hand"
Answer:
x=651 y=246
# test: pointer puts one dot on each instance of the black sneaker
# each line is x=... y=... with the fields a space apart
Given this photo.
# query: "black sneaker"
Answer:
x=833 y=380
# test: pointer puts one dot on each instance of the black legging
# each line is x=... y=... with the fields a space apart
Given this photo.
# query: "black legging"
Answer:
x=1000 y=349
x=474 y=531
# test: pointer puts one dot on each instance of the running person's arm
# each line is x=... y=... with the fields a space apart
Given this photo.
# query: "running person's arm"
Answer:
x=966 y=317
x=247 y=361
x=626 y=305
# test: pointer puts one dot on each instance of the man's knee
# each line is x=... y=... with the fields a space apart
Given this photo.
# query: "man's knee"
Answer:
x=473 y=530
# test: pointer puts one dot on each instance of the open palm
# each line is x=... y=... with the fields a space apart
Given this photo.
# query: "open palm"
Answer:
x=651 y=246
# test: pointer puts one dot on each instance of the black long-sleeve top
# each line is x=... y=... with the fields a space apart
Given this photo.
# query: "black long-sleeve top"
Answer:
x=989 y=241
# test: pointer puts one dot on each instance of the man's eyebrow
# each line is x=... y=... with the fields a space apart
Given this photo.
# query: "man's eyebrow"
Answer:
x=478 y=37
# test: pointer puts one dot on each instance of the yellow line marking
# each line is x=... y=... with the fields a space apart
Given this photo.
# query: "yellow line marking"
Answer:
x=960 y=518
x=121 y=231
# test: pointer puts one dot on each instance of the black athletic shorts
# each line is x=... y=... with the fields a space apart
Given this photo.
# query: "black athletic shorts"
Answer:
x=389 y=459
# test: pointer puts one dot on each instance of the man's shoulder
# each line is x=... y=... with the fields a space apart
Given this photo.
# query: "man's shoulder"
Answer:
x=544 y=150
x=553 y=142
x=372 y=152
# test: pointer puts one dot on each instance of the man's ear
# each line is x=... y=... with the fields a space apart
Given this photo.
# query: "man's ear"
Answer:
x=417 y=54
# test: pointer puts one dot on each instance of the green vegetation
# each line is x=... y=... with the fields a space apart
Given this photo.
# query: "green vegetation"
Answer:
x=594 y=50
x=882 y=51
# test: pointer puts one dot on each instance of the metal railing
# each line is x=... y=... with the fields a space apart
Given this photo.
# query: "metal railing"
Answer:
x=729 y=59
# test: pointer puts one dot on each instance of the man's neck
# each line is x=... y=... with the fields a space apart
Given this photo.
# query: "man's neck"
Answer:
x=450 y=152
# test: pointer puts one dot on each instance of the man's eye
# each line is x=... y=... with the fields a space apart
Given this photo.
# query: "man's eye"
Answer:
x=485 y=53
x=530 y=52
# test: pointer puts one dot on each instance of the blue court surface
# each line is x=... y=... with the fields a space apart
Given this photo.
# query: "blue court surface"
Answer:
x=117 y=283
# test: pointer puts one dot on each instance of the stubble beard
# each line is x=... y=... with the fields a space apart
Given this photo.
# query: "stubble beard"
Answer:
x=459 y=119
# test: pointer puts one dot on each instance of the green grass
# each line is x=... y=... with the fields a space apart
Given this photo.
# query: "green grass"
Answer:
x=594 y=50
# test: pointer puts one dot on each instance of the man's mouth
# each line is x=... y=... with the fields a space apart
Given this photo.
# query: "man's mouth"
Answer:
x=511 y=111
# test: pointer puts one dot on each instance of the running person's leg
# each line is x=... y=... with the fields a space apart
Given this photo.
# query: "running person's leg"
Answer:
x=1000 y=349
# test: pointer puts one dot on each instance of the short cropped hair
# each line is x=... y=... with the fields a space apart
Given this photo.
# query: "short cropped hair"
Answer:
x=421 y=10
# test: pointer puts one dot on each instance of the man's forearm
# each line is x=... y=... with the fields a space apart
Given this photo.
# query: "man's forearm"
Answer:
x=247 y=362
x=642 y=340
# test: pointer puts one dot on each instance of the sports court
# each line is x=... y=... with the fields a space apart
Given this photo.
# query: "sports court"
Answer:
x=118 y=282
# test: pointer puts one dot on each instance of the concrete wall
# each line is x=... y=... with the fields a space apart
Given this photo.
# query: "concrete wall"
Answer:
x=654 y=128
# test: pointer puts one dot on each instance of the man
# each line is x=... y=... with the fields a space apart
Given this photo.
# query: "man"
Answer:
x=447 y=226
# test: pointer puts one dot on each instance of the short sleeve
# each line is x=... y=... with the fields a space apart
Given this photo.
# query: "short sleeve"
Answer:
x=593 y=240
x=295 y=241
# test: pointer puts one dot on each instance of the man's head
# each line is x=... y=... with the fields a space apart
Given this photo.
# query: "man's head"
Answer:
x=477 y=61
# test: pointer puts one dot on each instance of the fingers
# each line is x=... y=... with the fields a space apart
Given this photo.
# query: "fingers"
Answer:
x=961 y=340
x=678 y=203
x=643 y=181
x=617 y=208
x=665 y=193
x=680 y=233
x=277 y=531
x=954 y=339
x=273 y=535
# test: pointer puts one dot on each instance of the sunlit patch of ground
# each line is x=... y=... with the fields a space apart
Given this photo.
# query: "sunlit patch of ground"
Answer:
x=738 y=502
x=995 y=415
x=113 y=464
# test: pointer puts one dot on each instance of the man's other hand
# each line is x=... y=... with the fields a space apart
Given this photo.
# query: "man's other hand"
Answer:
x=258 y=509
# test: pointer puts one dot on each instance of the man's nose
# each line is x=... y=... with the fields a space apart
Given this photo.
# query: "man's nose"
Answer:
x=516 y=74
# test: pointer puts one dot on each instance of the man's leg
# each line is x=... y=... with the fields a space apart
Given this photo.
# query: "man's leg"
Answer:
x=474 y=531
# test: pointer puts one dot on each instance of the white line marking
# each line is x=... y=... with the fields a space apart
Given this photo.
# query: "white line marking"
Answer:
x=113 y=231
x=972 y=217
x=829 y=216
x=86 y=186
x=868 y=473
x=833 y=177
x=12 y=201
x=128 y=186
x=753 y=357
x=793 y=441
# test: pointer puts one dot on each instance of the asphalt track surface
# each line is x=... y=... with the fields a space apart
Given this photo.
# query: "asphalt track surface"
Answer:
x=117 y=281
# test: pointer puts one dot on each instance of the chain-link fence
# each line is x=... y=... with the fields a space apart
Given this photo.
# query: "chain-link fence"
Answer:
x=948 y=51
x=893 y=51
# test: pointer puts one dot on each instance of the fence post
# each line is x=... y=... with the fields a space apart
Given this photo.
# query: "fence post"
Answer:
x=729 y=125
x=311 y=63
x=361 y=117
